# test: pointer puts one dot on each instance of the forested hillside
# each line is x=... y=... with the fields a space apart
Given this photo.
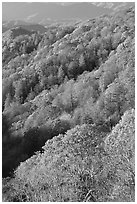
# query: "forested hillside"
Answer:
x=68 y=100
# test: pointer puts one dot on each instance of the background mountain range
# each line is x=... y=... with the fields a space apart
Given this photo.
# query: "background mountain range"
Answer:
x=26 y=14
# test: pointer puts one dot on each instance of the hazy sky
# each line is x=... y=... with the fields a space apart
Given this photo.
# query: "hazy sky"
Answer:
x=38 y=11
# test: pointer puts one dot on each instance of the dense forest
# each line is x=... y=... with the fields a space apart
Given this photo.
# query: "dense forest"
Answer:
x=68 y=111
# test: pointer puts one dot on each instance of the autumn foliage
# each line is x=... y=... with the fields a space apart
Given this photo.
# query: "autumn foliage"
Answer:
x=68 y=101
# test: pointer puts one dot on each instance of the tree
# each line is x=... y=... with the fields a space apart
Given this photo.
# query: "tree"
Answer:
x=115 y=100
x=109 y=75
x=7 y=101
x=116 y=39
x=120 y=145
x=61 y=74
x=67 y=96
x=82 y=61
x=7 y=89
x=21 y=90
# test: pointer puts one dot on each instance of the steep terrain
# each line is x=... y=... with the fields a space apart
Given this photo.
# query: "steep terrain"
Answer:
x=68 y=103
x=80 y=166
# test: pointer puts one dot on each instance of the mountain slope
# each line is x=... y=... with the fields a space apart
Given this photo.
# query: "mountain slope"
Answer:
x=77 y=167
x=71 y=91
x=14 y=32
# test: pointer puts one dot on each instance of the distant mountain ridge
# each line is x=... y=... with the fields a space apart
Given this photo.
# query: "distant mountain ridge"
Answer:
x=6 y=25
x=14 y=32
x=45 y=12
x=115 y=6
x=35 y=16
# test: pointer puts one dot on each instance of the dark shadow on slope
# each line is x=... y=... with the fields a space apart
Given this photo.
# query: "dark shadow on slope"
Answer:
x=16 y=150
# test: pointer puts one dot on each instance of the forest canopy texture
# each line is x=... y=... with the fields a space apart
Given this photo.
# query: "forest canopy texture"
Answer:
x=68 y=112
